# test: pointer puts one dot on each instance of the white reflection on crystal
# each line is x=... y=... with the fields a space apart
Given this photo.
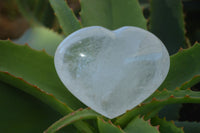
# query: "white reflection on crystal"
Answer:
x=82 y=55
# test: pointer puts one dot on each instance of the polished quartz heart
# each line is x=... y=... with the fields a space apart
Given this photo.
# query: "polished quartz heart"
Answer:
x=112 y=71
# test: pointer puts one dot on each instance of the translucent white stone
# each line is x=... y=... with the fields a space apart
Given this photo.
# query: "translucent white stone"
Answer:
x=112 y=71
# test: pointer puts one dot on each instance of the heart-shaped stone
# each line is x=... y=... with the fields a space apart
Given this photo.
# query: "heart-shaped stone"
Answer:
x=112 y=71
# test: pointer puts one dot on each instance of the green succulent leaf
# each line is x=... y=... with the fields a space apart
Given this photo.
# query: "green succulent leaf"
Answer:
x=108 y=127
x=184 y=69
x=157 y=100
x=152 y=113
x=189 y=127
x=184 y=73
x=112 y=14
x=166 y=126
x=47 y=16
x=35 y=11
x=20 y=59
x=22 y=113
x=68 y=21
x=167 y=22
x=23 y=85
x=80 y=114
x=41 y=38
x=41 y=82
x=190 y=83
x=25 y=8
x=139 y=125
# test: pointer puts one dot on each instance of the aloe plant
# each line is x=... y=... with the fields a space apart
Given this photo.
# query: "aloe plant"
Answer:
x=33 y=99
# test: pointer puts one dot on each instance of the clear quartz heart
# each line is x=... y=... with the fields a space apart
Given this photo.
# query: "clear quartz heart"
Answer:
x=112 y=71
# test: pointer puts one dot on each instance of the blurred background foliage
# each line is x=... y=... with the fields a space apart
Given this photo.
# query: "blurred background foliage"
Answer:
x=13 y=25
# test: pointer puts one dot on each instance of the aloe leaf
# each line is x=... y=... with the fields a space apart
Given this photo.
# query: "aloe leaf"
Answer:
x=41 y=38
x=190 y=83
x=34 y=90
x=36 y=68
x=189 y=127
x=47 y=16
x=80 y=114
x=112 y=14
x=184 y=67
x=166 y=126
x=152 y=113
x=41 y=82
x=22 y=113
x=37 y=12
x=44 y=13
x=68 y=21
x=38 y=6
x=182 y=77
x=49 y=99
x=25 y=8
x=108 y=127
x=159 y=99
x=167 y=22
x=139 y=125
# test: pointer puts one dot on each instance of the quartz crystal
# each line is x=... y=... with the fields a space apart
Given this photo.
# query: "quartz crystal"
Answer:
x=112 y=71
